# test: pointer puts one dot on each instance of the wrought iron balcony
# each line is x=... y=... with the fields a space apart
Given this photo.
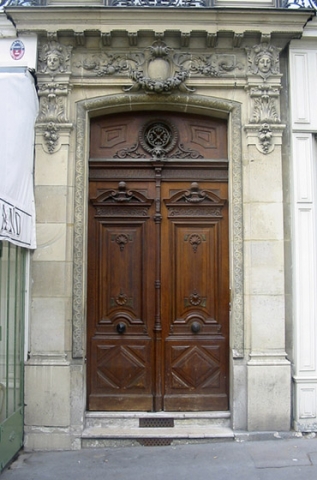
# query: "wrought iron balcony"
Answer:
x=294 y=4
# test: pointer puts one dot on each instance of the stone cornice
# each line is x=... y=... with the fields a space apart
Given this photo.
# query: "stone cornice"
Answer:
x=91 y=20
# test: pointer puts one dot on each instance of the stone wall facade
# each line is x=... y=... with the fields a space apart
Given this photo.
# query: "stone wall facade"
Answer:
x=225 y=64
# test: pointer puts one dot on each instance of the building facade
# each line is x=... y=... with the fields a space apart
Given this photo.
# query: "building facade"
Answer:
x=162 y=284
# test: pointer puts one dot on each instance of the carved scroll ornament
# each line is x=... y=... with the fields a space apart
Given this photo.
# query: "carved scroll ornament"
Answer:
x=159 y=69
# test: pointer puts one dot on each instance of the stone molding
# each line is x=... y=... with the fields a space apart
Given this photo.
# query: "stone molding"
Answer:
x=111 y=104
x=288 y=24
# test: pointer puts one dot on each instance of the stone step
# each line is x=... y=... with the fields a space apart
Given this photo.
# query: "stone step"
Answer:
x=109 y=429
x=133 y=419
x=111 y=436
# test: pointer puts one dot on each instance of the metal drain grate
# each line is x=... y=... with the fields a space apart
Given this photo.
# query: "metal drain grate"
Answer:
x=156 y=422
x=155 y=442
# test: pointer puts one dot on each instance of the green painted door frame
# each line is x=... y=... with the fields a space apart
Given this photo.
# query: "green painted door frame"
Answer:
x=12 y=313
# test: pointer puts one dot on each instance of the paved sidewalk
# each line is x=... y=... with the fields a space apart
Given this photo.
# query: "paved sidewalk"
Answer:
x=289 y=459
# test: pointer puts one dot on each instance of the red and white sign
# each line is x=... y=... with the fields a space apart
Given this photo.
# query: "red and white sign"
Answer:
x=18 y=52
x=17 y=49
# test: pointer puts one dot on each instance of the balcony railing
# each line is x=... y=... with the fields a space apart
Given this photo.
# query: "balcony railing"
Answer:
x=294 y=4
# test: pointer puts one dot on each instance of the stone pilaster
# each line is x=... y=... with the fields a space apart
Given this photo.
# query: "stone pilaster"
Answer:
x=268 y=370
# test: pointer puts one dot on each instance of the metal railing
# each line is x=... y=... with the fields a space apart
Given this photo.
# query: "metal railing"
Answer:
x=298 y=4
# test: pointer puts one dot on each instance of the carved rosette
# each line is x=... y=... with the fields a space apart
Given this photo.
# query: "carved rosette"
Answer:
x=54 y=87
x=264 y=85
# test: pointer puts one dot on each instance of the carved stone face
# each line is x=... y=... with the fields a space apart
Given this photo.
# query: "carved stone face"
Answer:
x=265 y=63
x=53 y=61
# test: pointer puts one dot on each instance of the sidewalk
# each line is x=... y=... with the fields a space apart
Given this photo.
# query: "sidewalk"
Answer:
x=289 y=459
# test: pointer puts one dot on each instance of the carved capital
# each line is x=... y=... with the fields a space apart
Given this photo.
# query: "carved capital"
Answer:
x=264 y=104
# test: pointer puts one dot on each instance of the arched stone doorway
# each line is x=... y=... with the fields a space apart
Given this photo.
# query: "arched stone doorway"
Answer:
x=195 y=105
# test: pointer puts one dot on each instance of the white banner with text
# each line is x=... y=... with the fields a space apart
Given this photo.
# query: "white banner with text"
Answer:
x=19 y=109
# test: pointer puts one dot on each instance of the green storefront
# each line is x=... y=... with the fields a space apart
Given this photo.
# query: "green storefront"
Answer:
x=12 y=314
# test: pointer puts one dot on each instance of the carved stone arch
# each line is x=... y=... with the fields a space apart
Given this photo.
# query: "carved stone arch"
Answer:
x=203 y=105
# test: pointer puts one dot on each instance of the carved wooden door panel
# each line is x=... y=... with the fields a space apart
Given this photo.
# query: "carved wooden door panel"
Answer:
x=120 y=296
x=195 y=296
x=158 y=292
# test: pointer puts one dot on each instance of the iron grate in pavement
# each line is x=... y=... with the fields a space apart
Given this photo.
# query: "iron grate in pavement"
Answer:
x=156 y=422
x=155 y=442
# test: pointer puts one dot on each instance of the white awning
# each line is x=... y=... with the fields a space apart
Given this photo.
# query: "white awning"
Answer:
x=19 y=109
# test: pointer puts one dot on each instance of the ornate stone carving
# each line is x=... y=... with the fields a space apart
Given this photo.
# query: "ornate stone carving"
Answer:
x=51 y=136
x=264 y=109
x=105 y=65
x=159 y=69
x=264 y=104
x=263 y=60
x=53 y=100
x=265 y=137
x=54 y=58
x=159 y=73
x=52 y=109
x=214 y=65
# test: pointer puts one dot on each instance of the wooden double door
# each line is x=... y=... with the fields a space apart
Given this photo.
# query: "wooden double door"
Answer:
x=158 y=289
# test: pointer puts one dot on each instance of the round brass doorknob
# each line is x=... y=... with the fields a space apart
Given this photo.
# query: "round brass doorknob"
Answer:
x=195 y=327
x=121 y=327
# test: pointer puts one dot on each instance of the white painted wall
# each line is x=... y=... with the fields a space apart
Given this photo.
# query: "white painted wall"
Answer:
x=303 y=74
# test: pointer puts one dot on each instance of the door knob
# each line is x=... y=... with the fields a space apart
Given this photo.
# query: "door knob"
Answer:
x=195 y=327
x=121 y=327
